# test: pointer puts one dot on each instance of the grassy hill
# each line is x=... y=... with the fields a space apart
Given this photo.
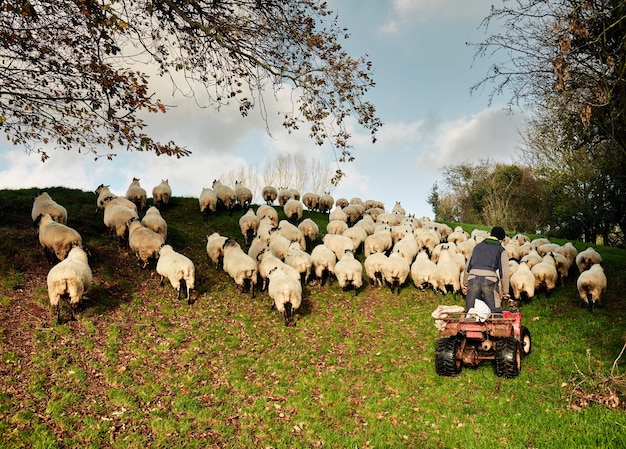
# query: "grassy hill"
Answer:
x=140 y=369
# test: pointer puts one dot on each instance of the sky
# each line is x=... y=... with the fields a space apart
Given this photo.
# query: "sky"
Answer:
x=423 y=71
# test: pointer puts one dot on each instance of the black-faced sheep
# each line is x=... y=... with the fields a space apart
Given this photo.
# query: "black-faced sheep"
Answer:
x=286 y=294
x=69 y=279
x=586 y=258
x=116 y=217
x=522 y=283
x=591 y=284
x=324 y=261
x=269 y=194
x=240 y=267
x=249 y=225
x=215 y=248
x=293 y=209
x=310 y=230
x=326 y=202
x=144 y=242
x=300 y=260
x=161 y=194
x=311 y=201
x=207 y=202
x=105 y=195
x=243 y=194
x=153 y=220
x=349 y=272
x=44 y=204
x=225 y=195
x=373 y=266
x=178 y=269
x=270 y=212
x=396 y=270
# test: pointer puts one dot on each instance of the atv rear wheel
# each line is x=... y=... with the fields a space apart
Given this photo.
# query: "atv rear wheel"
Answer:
x=508 y=358
x=446 y=362
x=525 y=342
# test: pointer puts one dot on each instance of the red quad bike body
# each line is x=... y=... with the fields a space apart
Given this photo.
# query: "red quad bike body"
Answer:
x=465 y=341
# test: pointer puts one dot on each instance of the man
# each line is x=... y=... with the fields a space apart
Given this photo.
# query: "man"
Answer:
x=486 y=267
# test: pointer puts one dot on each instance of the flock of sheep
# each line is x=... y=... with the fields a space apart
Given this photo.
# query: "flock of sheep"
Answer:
x=284 y=255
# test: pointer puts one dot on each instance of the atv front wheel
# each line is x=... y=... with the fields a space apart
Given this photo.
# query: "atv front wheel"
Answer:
x=508 y=358
x=446 y=362
x=525 y=342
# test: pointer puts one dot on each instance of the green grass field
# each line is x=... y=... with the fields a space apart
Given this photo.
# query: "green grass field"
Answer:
x=140 y=369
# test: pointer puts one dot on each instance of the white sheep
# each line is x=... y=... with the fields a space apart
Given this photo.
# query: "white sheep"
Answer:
x=407 y=247
x=284 y=195
x=570 y=252
x=466 y=248
x=545 y=274
x=265 y=210
x=396 y=270
x=105 y=194
x=342 y=202
x=336 y=227
x=547 y=248
x=286 y=294
x=310 y=230
x=243 y=194
x=375 y=212
x=116 y=217
x=422 y=270
x=324 y=261
x=153 y=220
x=257 y=248
x=225 y=195
x=267 y=263
x=428 y=239
x=389 y=219
x=338 y=214
x=521 y=239
x=532 y=258
x=279 y=245
x=398 y=209
x=57 y=237
x=367 y=223
x=249 y=225
x=137 y=194
x=522 y=283
x=178 y=269
x=353 y=212
x=291 y=232
x=358 y=235
x=326 y=203
x=300 y=260
x=311 y=201
x=265 y=230
x=338 y=244
x=349 y=272
x=144 y=242
x=71 y=279
x=295 y=193
x=586 y=258
x=513 y=250
x=591 y=284
x=269 y=194
x=240 y=267
x=373 y=266
x=447 y=274
x=379 y=242
x=161 y=194
x=44 y=204
x=293 y=210
x=215 y=248
x=208 y=202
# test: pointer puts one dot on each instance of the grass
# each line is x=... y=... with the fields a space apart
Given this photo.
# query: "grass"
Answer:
x=139 y=369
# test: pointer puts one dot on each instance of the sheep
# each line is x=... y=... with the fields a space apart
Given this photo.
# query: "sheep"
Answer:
x=562 y=266
x=379 y=242
x=279 y=245
x=300 y=260
x=70 y=279
x=284 y=195
x=178 y=269
x=293 y=210
x=400 y=231
x=586 y=258
x=545 y=274
x=324 y=261
x=447 y=274
x=375 y=212
x=513 y=250
x=338 y=214
x=387 y=218
x=398 y=209
x=532 y=258
x=342 y=202
x=291 y=232
x=310 y=230
x=522 y=283
x=267 y=211
x=215 y=248
x=239 y=266
x=336 y=227
x=442 y=247
x=358 y=236
x=144 y=242
x=458 y=235
x=116 y=217
x=338 y=244
x=591 y=284
x=286 y=293
x=422 y=270
x=521 y=239
x=225 y=195
x=257 y=248
x=349 y=272
x=570 y=252
x=57 y=237
x=326 y=203
x=161 y=194
x=396 y=270
x=428 y=239
x=311 y=201
x=267 y=263
x=243 y=194
x=137 y=194
x=153 y=220
x=466 y=248
x=265 y=230
x=249 y=225
x=208 y=202
x=295 y=193
x=407 y=247
x=354 y=213
x=373 y=266
x=367 y=223
x=104 y=195
x=547 y=248
x=44 y=204
x=269 y=194
x=103 y=192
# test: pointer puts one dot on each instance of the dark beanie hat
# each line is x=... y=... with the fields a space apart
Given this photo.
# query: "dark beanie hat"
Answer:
x=498 y=232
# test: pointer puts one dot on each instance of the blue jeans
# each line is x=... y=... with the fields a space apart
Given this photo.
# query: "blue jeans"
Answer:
x=482 y=288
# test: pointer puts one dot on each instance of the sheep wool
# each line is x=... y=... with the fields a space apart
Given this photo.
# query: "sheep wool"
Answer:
x=239 y=266
x=116 y=217
x=269 y=194
x=373 y=266
x=69 y=279
x=137 y=194
x=144 y=242
x=585 y=259
x=326 y=202
x=243 y=194
x=44 y=204
x=207 y=202
x=225 y=195
x=161 y=194
x=249 y=224
x=215 y=248
x=178 y=269
x=293 y=209
x=311 y=201
x=324 y=261
x=522 y=283
x=286 y=293
x=349 y=272
x=396 y=270
x=153 y=220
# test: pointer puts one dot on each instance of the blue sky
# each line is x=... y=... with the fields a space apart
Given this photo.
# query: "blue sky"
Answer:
x=423 y=70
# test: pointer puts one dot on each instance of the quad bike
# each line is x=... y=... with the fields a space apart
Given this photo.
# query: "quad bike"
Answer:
x=467 y=341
